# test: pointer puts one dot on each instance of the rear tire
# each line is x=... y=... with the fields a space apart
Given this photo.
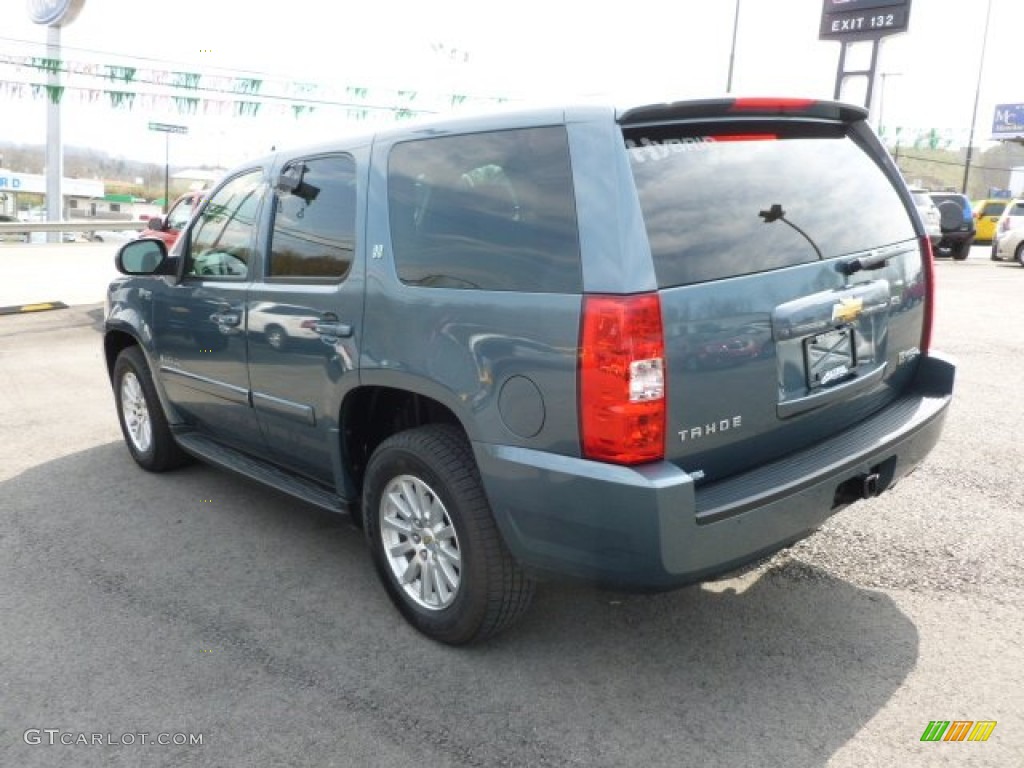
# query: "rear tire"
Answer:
x=1019 y=254
x=434 y=540
x=960 y=251
x=142 y=419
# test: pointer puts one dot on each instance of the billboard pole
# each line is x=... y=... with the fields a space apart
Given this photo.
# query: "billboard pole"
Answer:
x=977 y=95
x=854 y=22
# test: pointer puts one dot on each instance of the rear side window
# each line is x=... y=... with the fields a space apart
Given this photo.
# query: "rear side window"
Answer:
x=721 y=202
x=315 y=219
x=492 y=211
x=993 y=209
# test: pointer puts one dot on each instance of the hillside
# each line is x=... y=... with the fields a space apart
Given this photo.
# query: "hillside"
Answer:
x=924 y=167
x=120 y=175
x=944 y=169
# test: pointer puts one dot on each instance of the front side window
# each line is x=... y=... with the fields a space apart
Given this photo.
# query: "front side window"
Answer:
x=315 y=219
x=720 y=201
x=490 y=211
x=222 y=239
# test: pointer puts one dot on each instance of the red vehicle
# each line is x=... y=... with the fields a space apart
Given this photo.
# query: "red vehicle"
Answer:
x=167 y=228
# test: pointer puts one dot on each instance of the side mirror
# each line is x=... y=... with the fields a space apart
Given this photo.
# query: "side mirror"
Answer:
x=156 y=224
x=141 y=257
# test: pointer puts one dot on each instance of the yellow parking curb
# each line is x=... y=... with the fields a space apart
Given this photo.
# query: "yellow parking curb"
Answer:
x=40 y=307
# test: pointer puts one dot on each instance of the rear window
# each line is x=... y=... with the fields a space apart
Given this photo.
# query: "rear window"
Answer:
x=993 y=209
x=948 y=200
x=721 y=202
x=490 y=211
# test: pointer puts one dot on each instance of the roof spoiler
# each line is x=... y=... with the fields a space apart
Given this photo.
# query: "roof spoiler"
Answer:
x=743 y=107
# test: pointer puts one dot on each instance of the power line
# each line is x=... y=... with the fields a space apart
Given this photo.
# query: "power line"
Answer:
x=191 y=67
x=904 y=156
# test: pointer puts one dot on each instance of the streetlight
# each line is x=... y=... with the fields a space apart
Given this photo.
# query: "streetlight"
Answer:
x=881 y=97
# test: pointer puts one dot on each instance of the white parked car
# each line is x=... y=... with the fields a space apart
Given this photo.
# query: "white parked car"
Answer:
x=1010 y=246
x=1010 y=219
x=930 y=214
x=281 y=325
x=112 y=236
x=12 y=237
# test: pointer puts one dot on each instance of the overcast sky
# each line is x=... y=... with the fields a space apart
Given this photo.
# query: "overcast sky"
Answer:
x=536 y=49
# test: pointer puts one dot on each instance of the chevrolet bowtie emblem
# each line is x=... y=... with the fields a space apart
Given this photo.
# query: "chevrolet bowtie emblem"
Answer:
x=847 y=310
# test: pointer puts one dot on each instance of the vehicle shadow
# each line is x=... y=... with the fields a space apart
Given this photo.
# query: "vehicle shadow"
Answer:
x=775 y=667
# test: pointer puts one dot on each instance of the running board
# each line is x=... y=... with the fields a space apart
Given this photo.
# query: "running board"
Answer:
x=210 y=451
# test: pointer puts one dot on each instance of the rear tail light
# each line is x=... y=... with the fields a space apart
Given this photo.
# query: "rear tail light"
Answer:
x=928 y=259
x=744 y=136
x=771 y=104
x=622 y=379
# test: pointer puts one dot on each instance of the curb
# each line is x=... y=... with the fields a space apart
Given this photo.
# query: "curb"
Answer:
x=40 y=307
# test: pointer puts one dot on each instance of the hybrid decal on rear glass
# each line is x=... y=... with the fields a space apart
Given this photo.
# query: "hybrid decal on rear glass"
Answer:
x=657 y=149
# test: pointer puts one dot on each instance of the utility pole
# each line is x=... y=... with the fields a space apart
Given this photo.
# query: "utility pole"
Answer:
x=732 y=51
x=977 y=96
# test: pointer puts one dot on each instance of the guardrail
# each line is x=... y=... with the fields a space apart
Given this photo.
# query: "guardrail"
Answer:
x=74 y=225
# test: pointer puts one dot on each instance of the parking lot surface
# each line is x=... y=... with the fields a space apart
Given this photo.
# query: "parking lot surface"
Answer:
x=197 y=603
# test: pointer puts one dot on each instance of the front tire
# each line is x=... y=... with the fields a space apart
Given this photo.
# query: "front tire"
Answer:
x=276 y=337
x=434 y=540
x=1019 y=254
x=142 y=419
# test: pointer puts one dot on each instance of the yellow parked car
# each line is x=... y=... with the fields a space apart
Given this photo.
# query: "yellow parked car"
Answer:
x=986 y=214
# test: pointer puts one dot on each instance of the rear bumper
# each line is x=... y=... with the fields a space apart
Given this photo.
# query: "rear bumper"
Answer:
x=647 y=527
x=955 y=239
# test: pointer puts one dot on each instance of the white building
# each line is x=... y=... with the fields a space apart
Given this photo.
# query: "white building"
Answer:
x=12 y=184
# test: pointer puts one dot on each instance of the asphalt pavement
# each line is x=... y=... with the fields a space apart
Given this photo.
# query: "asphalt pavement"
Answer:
x=196 y=605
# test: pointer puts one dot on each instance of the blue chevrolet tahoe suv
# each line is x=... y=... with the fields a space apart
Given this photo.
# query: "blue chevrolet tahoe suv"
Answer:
x=529 y=344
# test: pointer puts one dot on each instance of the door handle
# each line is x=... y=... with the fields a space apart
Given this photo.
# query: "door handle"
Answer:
x=227 y=319
x=332 y=328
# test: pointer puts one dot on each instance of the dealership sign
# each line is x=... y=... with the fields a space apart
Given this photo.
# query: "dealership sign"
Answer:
x=36 y=184
x=1008 y=122
x=54 y=13
x=863 y=19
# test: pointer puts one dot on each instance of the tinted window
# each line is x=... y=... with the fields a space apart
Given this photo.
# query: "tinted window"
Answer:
x=221 y=240
x=315 y=220
x=993 y=209
x=493 y=211
x=717 y=205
